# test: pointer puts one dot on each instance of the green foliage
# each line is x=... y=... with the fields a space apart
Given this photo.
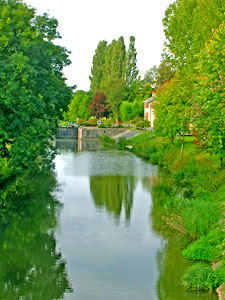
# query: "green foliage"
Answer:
x=97 y=66
x=156 y=76
x=207 y=248
x=187 y=26
x=151 y=75
x=5 y=171
x=78 y=107
x=209 y=96
x=107 y=140
x=131 y=70
x=130 y=110
x=173 y=108
x=199 y=216
x=33 y=91
x=115 y=91
x=138 y=91
x=200 y=277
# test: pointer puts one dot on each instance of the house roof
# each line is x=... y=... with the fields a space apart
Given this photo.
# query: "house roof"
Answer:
x=149 y=100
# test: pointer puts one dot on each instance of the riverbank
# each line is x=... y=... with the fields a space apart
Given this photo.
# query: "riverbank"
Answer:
x=195 y=205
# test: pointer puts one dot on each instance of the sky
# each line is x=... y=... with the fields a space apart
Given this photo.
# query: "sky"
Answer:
x=83 y=23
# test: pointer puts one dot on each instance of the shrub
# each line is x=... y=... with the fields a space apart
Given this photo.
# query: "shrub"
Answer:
x=207 y=248
x=121 y=144
x=107 y=140
x=199 y=216
x=200 y=277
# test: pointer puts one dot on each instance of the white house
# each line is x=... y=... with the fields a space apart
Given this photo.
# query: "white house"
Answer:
x=149 y=110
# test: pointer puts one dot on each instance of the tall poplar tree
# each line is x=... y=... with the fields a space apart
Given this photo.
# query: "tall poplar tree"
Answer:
x=131 y=70
x=113 y=82
x=97 y=66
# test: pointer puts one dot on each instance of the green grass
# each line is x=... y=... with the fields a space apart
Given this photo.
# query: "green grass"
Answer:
x=194 y=202
x=200 y=277
x=207 y=248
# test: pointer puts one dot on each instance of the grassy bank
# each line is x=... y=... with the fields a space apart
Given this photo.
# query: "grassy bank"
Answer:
x=192 y=202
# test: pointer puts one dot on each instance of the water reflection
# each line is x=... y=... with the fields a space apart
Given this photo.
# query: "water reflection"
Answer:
x=78 y=145
x=113 y=193
x=30 y=266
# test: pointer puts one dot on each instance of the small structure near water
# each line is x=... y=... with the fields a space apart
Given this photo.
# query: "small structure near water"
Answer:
x=149 y=114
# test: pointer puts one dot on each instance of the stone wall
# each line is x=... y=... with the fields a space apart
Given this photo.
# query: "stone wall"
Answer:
x=93 y=132
x=67 y=133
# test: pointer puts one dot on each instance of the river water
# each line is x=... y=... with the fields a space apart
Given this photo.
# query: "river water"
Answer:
x=90 y=231
x=105 y=231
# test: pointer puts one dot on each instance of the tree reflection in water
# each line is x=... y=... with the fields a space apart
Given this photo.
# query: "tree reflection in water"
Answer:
x=30 y=266
x=113 y=193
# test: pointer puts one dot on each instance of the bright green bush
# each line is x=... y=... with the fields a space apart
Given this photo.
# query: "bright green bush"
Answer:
x=207 y=248
x=107 y=140
x=200 y=277
x=199 y=216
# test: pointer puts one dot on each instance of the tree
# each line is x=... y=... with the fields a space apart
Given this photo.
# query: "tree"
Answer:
x=33 y=91
x=187 y=26
x=131 y=70
x=99 y=106
x=209 y=95
x=78 y=107
x=165 y=72
x=114 y=67
x=151 y=75
x=97 y=66
x=115 y=91
x=173 y=108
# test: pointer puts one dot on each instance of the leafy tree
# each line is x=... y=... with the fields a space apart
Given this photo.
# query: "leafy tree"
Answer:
x=156 y=76
x=165 y=72
x=115 y=91
x=114 y=66
x=187 y=26
x=173 y=108
x=130 y=110
x=138 y=90
x=131 y=70
x=33 y=91
x=78 y=107
x=151 y=75
x=97 y=66
x=209 y=95
x=99 y=107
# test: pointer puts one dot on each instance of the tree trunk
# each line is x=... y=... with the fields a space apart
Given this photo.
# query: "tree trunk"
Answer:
x=117 y=117
x=221 y=162
x=182 y=147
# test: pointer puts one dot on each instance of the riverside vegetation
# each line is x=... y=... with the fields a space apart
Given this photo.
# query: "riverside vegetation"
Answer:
x=193 y=202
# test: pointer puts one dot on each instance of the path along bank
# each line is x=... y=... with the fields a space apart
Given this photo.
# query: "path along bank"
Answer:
x=195 y=205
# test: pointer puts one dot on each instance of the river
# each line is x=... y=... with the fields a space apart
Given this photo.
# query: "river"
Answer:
x=106 y=230
x=94 y=235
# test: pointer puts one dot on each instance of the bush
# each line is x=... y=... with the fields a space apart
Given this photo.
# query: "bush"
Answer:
x=199 y=216
x=107 y=140
x=200 y=277
x=207 y=248
x=90 y=122
x=121 y=144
